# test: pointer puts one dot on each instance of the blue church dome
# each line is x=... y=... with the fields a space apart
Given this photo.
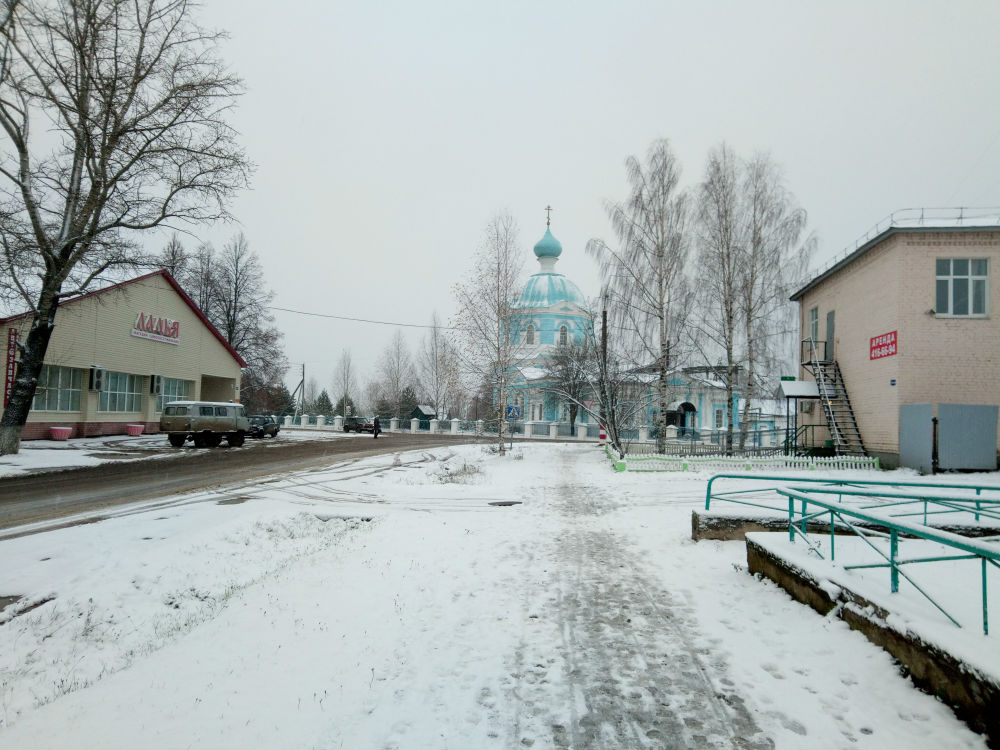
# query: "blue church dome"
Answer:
x=548 y=246
x=549 y=289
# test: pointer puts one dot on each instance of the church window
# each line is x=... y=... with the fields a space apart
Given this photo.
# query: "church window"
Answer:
x=529 y=335
x=563 y=335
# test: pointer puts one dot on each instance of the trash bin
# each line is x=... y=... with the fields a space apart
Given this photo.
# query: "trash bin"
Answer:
x=60 y=433
x=134 y=430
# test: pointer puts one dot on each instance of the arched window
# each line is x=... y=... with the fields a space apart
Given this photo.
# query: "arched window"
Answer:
x=529 y=335
x=563 y=335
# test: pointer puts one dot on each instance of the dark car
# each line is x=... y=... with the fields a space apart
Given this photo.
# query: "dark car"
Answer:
x=358 y=424
x=262 y=425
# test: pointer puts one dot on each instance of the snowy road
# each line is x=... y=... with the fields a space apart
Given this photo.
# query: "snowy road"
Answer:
x=582 y=617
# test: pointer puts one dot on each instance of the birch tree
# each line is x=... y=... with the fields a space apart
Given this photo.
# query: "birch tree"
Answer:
x=114 y=115
x=752 y=250
x=437 y=368
x=485 y=302
x=644 y=284
x=721 y=227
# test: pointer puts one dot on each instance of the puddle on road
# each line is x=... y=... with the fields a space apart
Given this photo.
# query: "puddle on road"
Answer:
x=234 y=500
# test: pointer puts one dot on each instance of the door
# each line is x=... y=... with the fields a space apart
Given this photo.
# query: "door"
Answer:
x=829 y=337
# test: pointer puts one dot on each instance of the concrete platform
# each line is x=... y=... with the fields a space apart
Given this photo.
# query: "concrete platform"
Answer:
x=973 y=696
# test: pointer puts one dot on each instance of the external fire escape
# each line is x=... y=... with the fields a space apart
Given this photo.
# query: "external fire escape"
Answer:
x=844 y=432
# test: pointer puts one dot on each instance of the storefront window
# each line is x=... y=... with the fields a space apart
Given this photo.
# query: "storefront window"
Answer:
x=58 y=389
x=173 y=390
x=122 y=392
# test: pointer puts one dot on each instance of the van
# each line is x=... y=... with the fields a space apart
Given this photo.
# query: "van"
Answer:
x=204 y=422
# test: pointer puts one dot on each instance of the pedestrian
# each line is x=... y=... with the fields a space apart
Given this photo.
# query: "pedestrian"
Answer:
x=376 y=428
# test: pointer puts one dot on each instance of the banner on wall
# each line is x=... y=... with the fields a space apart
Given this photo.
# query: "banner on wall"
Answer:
x=8 y=380
x=885 y=345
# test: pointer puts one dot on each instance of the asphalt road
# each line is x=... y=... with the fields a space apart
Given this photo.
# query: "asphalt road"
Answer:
x=57 y=494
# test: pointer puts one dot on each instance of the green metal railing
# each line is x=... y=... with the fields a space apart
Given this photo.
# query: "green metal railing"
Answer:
x=988 y=553
x=897 y=509
x=863 y=485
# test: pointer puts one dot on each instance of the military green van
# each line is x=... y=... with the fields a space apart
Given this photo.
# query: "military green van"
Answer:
x=206 y=423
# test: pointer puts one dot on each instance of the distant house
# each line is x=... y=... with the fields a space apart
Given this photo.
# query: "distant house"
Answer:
x=902 y=322
x=423 y=412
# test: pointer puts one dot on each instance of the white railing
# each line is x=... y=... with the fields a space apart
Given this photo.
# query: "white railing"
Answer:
x=767 y=463
x=931 y=218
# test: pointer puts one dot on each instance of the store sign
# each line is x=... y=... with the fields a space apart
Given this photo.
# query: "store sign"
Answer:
x=8 y=381
x=883 y=346
x=157 y=329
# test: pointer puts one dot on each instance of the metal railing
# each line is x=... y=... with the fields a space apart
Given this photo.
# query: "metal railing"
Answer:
x=898 y=529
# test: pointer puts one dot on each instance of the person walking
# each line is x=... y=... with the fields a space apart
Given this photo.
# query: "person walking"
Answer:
x=376 y=427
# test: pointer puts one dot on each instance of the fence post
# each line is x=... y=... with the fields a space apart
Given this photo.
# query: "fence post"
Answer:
x=414 y=424
x=893 y=552
x=394 y=424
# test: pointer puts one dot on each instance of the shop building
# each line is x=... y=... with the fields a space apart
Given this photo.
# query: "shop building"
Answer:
x=118 y=354
x=899 y=328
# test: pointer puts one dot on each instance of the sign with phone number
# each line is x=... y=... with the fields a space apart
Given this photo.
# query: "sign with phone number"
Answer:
x=885 y=345
x=8 y=383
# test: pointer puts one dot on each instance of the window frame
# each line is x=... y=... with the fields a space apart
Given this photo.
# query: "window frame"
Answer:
x=954 y=278
x=812 y=323
x=121 y=394
x=563 y=335
x=529 y=335
x=67 y=390
x=173 y=391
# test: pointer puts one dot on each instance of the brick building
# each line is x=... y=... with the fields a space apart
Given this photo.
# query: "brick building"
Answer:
x=904 y=319
x=118 y=354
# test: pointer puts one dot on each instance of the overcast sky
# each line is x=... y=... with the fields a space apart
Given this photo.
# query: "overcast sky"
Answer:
x=387 y=134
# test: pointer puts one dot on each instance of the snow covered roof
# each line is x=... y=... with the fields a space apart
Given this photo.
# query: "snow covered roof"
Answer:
x=533 y=373
x=796 y=389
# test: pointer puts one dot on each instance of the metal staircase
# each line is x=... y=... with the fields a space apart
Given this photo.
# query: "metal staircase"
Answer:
x=836 y=404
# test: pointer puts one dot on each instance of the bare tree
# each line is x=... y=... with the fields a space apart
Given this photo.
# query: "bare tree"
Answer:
x=130 y=103
x=721 y=227
x=485 y=301
x=230 y=289
x=751 y=251
x=174 y=258
x=345 y=383
x=644 y=284
x=571 y=372
x=437 y=368
x=775 y=260
x=396 y=368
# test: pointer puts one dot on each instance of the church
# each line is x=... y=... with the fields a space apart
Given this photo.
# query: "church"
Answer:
x=551 y=312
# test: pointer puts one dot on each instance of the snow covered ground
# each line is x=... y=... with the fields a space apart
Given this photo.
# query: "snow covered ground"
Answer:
x=387 y=602
x=48 y=455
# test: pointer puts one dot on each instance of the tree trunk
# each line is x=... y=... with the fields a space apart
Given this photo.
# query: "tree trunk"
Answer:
x=15 y=416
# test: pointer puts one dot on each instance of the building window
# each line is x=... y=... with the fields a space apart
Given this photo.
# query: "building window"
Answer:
x=58 y=389
x=961 y=287
x=720 y=416
x=529 y=335
x=122 y=392
x=814 y=324
x=563 y=335
x=173 y=390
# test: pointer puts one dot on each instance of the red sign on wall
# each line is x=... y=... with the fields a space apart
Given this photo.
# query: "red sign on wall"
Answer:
x=885 y=345
x=8 y=381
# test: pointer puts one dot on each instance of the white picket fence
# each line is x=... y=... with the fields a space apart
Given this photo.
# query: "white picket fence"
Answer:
x=731 y=463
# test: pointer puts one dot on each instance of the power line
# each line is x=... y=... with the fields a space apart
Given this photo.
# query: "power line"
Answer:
x=363 y=320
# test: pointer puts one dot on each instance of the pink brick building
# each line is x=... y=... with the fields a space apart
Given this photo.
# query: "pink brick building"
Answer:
x=908 y=318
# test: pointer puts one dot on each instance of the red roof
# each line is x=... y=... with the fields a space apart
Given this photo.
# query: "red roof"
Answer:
x=177 y=288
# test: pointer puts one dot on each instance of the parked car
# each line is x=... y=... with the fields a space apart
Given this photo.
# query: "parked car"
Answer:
x=262 y=425
x=358 y=424
x=205 y=423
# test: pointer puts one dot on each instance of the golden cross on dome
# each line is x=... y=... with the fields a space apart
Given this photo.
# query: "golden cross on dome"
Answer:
x=548 y=215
